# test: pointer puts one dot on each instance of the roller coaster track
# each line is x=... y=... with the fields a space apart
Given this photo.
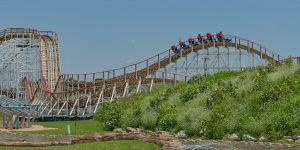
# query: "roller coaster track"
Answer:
x=85 y=92
x=43 y=69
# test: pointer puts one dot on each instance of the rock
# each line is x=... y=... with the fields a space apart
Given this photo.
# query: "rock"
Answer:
x=226 y=137
x=297 y=141
x=201 y=133
x=148 y=131
x=234 y=137
x=181 y=134
x=87 y=139
x=290 y=140
x=296 y=137
x=247 y=137
x=139 y=130
x=91 y=137
x=262 y=139
x=130 y=129
x=161 y=132
x=118 y=130
x=108 y=136
x=287 y=137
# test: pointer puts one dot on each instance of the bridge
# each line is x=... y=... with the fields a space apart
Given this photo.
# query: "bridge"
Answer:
x=53 y=94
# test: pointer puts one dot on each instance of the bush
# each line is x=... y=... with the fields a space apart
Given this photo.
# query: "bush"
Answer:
x=288 y=61
x=270 y=68
x=197 y=79
x=191 y=126
x=203 y=86
x=157 y=99
x=132 y=117
x=166 y=114
x=274 y=91
x=260 y=80
x=149 y=121
x=223 y=91
x=110 y=115
x=188 y=93
x=215 y=128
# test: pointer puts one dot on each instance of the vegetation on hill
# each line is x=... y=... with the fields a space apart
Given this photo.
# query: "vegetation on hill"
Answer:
x=261 y=102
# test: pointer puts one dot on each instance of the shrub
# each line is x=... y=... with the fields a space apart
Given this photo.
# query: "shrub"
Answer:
x=149 y=121
x=168 y=92
x=110 y=115
x=197 y=79
x=132 y=117
x=223 y=91
x=274 y=92
x=297 y=72
x=214 y=127
x=261 y=80
x=188 y=93
x=288 y=61
x=270 y=68
x=166 y=116
x=230 y=90
x=191 y=126
x=157 y=99
x=203 y=86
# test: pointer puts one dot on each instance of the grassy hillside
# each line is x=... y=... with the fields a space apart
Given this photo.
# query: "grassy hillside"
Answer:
x=260 y=102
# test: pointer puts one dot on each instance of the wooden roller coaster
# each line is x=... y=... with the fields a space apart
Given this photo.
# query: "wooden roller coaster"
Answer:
x=86 y=91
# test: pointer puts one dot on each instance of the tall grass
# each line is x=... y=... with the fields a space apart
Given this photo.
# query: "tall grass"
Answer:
x=261 y=102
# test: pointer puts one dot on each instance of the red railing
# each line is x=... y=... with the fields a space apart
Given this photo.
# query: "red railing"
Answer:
x=169 y=50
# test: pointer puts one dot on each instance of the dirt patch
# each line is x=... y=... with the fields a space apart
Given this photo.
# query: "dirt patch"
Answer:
x=33 y=128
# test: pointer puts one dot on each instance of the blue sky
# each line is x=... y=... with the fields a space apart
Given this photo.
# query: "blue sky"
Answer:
x=97 y=35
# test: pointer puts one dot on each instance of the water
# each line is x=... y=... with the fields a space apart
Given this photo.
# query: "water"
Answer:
x=221 y=145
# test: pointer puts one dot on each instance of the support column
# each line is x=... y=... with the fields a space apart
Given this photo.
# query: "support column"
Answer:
x=139 y=86
x=228 y=58
x=126 y=89
x=218 y=59
x=152 y=82
x=113 y=92
x=197 y=63
x=186 y=65
x=158 y=61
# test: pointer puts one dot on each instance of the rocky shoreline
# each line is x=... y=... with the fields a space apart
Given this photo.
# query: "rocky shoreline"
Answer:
x=163 y=139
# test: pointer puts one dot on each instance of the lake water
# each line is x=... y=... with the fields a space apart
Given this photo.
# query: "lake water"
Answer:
x=221 y=145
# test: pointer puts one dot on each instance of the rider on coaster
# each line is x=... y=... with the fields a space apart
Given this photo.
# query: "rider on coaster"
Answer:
x=183 y=45
x=220 y=36
x=192 y=42
x=201 y=39
x=209 y=37
x=174 y=49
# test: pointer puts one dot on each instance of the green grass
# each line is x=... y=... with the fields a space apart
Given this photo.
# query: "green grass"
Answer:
x=285 y=142
x=115 y=145
x=83 y=127
x=260 y=102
